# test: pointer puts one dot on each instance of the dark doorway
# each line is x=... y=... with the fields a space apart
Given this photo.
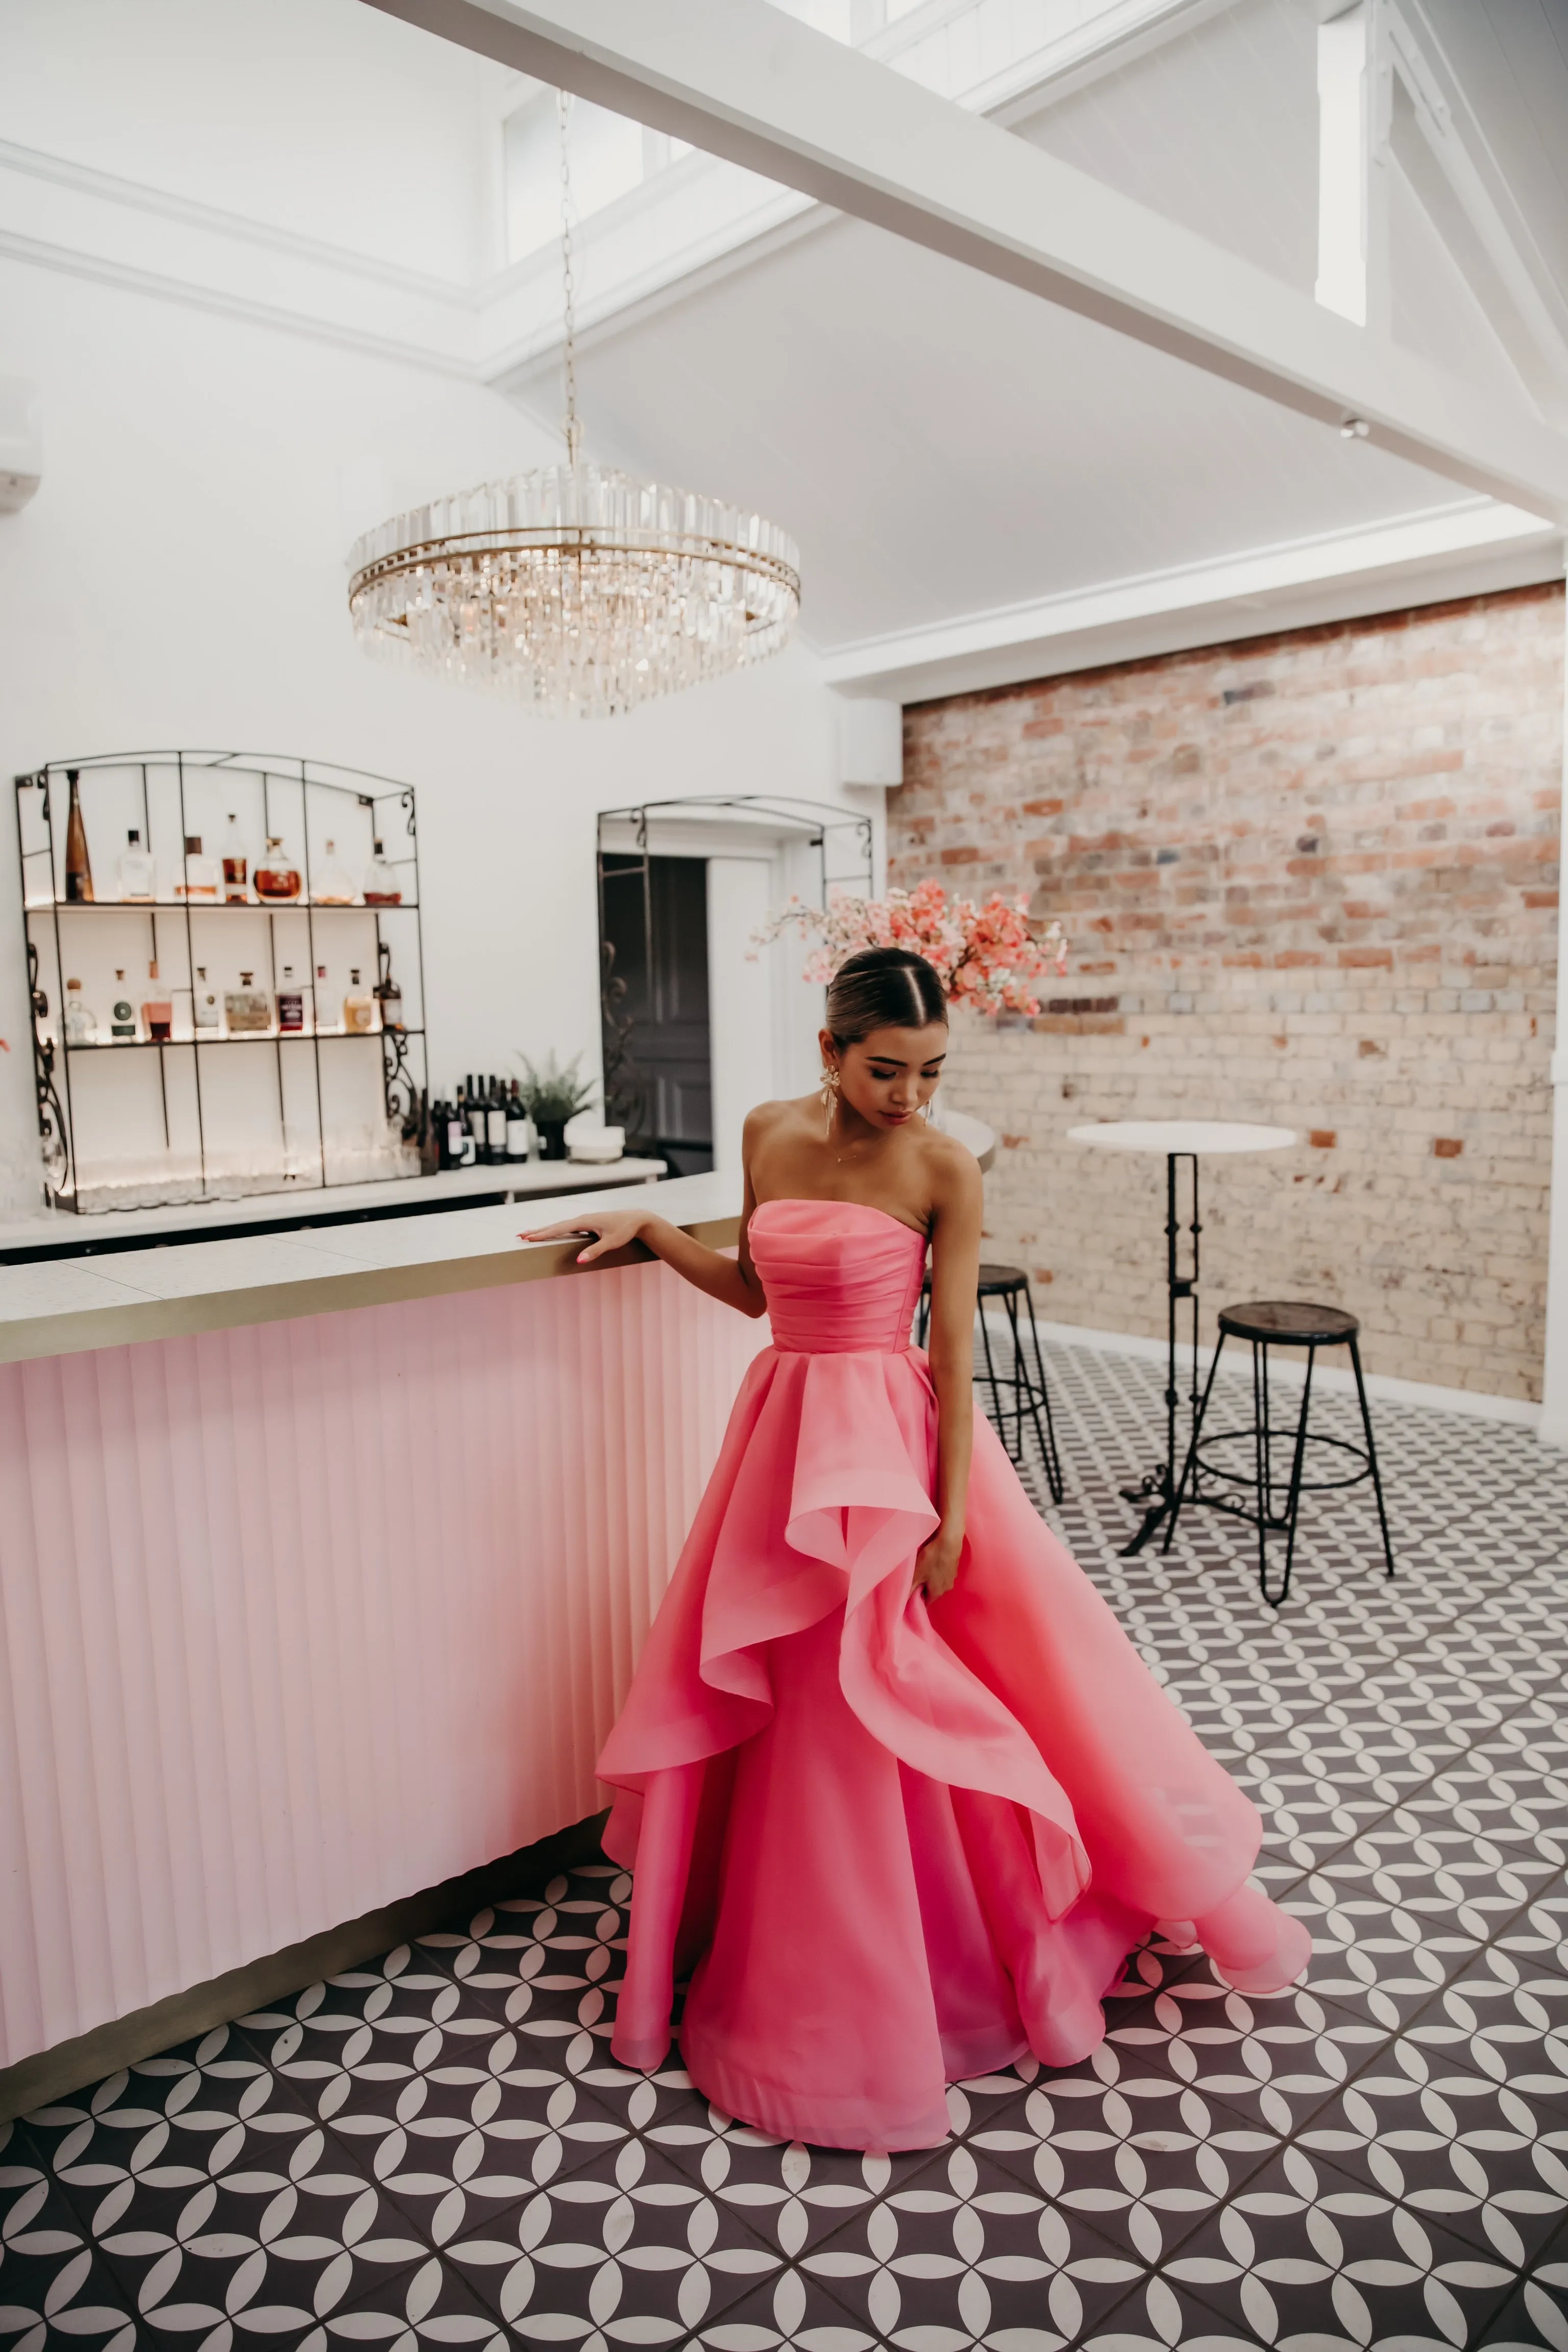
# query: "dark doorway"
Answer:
x=658 y=1062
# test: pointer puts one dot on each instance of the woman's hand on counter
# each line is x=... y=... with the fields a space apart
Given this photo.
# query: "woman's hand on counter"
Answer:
x=731 y=1280
x=616 y=1231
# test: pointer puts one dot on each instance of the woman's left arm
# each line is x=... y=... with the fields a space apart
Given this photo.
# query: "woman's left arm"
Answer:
x=954 y=1274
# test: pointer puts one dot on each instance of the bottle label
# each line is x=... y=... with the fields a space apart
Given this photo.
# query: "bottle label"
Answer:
x=471 y=1152
x=457 y=1136
x=517 y=1139
x=496 y=1128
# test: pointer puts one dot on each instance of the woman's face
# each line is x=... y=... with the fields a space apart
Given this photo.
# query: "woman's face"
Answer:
x=887 y=1076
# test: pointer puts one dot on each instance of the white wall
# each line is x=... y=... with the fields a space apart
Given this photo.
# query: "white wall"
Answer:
x=322 y=119
x=179 y=581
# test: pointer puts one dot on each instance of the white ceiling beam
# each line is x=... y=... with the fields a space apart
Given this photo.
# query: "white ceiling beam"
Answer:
x=1470 y=549
x=740 y=79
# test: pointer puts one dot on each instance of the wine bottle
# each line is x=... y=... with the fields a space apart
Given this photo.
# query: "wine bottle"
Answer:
x=495 y=1124
x=477 y=1123
x=516 y=1126
x=79 y=869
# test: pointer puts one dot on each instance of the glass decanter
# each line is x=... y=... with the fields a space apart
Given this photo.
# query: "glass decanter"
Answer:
x=329 y=884
x=381 y=888
x=277 y=876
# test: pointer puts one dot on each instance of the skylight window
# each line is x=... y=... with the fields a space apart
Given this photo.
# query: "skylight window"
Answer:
x=611 y=156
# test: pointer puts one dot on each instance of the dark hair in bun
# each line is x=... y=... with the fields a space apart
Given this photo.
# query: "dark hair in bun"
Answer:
x=883 y=988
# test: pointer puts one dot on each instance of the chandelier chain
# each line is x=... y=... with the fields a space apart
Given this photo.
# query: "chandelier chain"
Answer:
x=571 y=427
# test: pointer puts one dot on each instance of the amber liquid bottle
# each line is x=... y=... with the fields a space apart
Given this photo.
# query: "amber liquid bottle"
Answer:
x=79 y=871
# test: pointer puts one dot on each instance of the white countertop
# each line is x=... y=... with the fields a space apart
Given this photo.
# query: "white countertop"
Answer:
x=55 y=1307
x=59 y=1304
x=61 y=1230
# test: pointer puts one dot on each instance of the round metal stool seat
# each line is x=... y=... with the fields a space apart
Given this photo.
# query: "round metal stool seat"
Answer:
x=1026 y=1382
x=1290 y=1323
x=1277 y=1478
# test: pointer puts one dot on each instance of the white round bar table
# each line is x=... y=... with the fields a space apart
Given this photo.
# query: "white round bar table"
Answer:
x=1180 y=1140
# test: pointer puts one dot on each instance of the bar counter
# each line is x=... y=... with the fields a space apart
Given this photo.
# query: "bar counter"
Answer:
x=324 y=1558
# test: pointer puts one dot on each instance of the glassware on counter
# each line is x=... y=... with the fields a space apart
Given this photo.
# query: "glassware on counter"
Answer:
x=201 y=876
x=330 y=886
x=290 y=1006
x=158 y=1013
x=235 y=865
x=277 y=876
x=207 y=1013
x=381 y=888
x=82 y=1022
x=79 y=868
x=359 y=1006
x=138 y=874
x=121 y=1013
x=249 y=1009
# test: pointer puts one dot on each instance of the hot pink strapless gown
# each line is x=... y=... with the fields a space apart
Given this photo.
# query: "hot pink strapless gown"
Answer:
x=896 y=1845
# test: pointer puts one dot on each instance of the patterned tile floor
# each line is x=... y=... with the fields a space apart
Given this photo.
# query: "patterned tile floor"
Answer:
x=438 y=2149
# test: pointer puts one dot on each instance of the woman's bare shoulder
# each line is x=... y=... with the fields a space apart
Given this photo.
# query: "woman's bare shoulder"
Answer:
x=769 y=1118
x=952 y=1168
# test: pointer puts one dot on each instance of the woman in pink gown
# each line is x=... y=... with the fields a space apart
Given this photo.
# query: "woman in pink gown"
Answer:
x=898 y=1793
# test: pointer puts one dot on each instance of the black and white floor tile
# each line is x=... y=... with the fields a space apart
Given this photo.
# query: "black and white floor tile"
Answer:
x=441 y=2150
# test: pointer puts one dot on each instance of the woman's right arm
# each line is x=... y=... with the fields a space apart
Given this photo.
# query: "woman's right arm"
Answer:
x=732 y=1279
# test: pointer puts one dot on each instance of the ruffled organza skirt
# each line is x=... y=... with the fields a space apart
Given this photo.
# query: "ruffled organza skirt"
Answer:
x=896 y=1845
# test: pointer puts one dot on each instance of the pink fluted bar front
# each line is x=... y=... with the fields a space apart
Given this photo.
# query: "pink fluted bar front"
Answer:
x=300 y=1618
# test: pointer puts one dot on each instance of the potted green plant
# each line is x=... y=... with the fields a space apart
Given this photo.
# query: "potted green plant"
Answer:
x=551 y=1096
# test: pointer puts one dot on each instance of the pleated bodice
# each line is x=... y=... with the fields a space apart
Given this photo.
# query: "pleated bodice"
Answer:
x=841 y=1278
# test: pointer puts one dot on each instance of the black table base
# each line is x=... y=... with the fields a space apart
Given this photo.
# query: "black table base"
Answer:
x=1156 y=1490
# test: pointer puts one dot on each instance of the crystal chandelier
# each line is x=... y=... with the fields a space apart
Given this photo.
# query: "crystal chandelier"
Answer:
x=574 y=588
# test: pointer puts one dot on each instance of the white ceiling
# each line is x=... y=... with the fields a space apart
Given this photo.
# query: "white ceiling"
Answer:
x=942 y=446
x=941 y=443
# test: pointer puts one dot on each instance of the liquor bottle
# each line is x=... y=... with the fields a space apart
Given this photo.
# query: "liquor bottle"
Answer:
x=381 y=888
x=79 y=870
x=277 y=876
x=359 y=1007
x=516 y=1126
x=495 y=1124
x=291 y=1006
x=248 y=1009
x=329 y=886
x=158 y=1013
x=235 y=867
x=82 y=1022
x=461 y=1133
x=479 y=1125
x=207 y=1013
x=202 y=877
x=324 y=1028
x=389 y=993
x=121 y=1013
x=138 y=874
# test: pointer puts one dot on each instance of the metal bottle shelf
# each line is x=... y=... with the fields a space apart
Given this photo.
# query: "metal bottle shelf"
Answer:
x=176 y=794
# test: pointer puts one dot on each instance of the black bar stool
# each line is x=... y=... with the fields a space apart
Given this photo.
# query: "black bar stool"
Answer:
x=1030 y=1395
x=1265 y=1324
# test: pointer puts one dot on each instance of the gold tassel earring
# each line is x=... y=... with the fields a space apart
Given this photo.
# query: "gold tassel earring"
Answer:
x=830 y=1098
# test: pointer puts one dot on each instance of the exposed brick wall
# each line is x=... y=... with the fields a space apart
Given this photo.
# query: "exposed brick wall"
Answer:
x=1309 y=880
